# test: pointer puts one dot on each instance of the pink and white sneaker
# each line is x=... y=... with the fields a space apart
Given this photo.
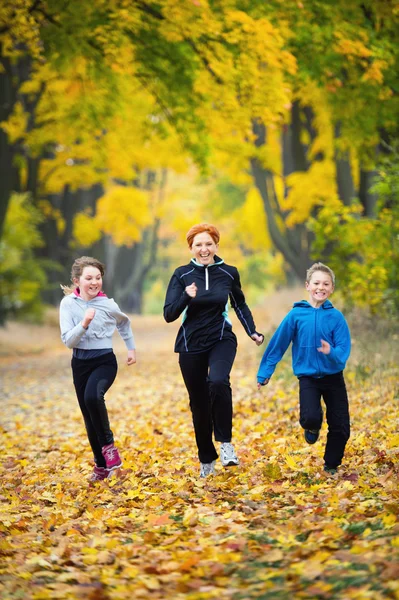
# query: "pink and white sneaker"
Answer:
x=112 y=458
x=99 y=474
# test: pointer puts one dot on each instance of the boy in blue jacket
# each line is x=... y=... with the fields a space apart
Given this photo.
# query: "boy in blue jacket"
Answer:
x=320 y=348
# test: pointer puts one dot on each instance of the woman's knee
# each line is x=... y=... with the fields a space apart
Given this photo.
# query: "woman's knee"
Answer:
x=219 y=385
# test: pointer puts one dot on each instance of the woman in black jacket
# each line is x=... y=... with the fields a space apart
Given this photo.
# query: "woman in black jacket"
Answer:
x=206 y=343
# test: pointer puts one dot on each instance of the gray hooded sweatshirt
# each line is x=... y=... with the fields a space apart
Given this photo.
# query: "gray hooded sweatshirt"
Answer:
x=99 y=333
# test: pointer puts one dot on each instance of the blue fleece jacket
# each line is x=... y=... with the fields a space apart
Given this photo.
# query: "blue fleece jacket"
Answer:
x=305 y=327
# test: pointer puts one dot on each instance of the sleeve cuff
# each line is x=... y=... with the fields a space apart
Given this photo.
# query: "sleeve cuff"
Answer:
x=130 y=345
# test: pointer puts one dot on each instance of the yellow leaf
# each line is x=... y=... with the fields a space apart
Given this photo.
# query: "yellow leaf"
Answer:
x=291 y=462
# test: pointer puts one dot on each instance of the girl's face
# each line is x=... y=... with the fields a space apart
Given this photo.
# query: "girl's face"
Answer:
x=320 y=287
x=204 y=248
x=90 y=283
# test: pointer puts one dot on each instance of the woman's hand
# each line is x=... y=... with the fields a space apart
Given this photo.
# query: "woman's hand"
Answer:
x=325 y=347
x=89 y=316
x=131 y=357
x=191 y=290
x=258 y=338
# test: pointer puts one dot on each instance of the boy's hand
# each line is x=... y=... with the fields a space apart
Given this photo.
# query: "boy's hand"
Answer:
x=191 y=290
x=325 y=347
x=131 y=357
x=258 y=338
x=262 y=384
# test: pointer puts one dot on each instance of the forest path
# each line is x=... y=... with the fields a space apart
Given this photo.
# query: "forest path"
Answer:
x=276 y=527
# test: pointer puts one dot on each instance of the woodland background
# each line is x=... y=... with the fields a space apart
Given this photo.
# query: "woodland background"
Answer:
x=123 y=123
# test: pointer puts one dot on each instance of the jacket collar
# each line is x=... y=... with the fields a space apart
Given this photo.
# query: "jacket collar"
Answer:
x=100 y=294
x=218 y=261
x=305 y=304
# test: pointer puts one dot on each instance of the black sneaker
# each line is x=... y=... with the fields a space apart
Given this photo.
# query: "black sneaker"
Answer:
x=330 y=470
x=311 y=435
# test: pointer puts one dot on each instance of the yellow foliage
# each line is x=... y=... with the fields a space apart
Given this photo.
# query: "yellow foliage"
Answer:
x=375 y=72
x=15 y=126
x=20 y=24
x=122 y=213
x=311 y=94
x=63 y=170
x=352 y=49
x=252 y=226
x=308 y=189
x=85 y=229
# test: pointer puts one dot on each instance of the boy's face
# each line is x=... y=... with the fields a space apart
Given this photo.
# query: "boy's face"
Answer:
x=320 y=287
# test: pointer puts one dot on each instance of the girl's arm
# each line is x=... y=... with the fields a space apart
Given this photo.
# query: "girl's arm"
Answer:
x=125 y=331
x=176 y=299
x=71 y=334
x=123 y=326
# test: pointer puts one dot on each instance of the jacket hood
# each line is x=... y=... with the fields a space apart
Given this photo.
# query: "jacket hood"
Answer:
x=305 y=304
x=100 y=294
x=218 y=261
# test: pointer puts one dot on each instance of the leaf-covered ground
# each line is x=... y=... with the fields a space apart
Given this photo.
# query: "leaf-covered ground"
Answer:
x=276 y=527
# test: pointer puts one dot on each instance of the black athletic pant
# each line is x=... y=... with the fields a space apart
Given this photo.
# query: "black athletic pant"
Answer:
x=92 y=378
x=207 y=379
x=333 y=390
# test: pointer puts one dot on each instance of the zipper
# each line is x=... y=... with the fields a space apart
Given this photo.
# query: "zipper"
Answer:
x=206 y=278
x=316 y=343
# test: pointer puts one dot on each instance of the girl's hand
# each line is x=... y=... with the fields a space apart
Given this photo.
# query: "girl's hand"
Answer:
x=258 y=338
x=131 y=357
x=191 y=290
x=325 y=347
x=89 y=316
x=260 y=385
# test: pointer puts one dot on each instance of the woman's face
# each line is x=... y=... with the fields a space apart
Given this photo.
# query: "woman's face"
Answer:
x=204 y=248
x=90 y=283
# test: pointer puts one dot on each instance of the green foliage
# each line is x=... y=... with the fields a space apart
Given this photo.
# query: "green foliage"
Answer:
x=21 y=274
x=226 y=197
x=364 y=252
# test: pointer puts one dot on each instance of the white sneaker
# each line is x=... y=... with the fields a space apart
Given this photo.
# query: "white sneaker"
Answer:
x=207 y=469
x=227 y=455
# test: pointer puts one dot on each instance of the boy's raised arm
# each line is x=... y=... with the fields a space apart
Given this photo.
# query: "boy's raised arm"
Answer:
x=341 y=347
x=276 y=349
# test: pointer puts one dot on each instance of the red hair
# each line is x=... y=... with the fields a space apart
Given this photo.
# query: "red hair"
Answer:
x=202 y=228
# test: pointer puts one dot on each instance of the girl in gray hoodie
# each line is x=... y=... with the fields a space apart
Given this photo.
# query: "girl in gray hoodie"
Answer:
x=88 y=319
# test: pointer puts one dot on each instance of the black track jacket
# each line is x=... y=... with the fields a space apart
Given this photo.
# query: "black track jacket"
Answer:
x=205 y=319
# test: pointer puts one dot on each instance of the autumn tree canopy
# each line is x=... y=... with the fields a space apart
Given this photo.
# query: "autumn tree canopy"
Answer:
x=295 y=101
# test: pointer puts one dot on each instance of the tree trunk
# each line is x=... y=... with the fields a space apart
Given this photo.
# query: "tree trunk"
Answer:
x=299 y=161
x=293 y=256
x=57 y=250
x=346 y=190
x=8 y=171
x=292 y=242
x=127 y=268
x=11 y=77
x=366 y=196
